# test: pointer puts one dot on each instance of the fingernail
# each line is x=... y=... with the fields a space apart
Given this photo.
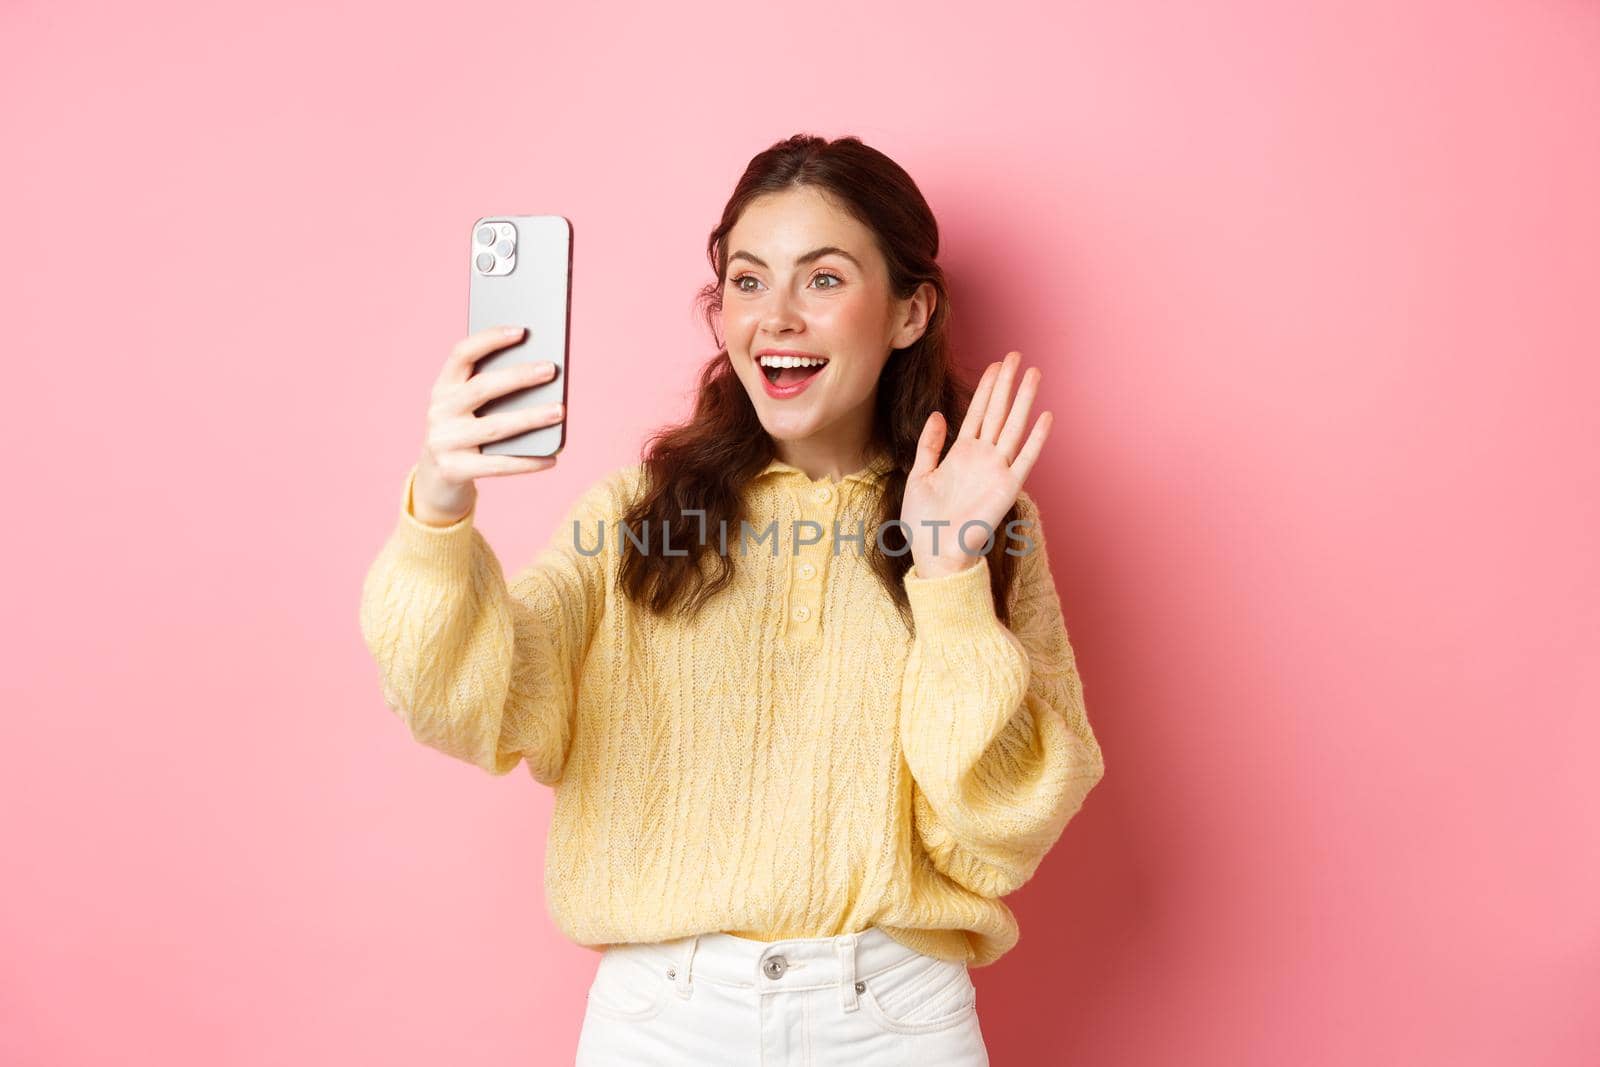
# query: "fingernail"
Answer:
x=511 y=331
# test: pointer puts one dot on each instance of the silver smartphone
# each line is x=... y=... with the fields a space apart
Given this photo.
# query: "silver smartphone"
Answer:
x=522 y=276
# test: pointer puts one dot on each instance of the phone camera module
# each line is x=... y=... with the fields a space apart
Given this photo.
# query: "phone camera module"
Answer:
x=494 y=248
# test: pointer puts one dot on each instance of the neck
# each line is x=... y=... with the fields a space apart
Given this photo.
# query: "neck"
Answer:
x=819 y=461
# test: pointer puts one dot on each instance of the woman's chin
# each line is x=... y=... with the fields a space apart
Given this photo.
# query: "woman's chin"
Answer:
x=788 y=425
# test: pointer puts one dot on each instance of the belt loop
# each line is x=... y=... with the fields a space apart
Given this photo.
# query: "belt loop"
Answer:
x=681 y=980
x=845 y=946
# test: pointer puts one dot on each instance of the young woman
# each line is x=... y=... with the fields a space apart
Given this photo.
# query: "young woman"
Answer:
x=799 y=679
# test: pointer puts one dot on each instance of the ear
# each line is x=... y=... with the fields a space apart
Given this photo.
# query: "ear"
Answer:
x=914 y=314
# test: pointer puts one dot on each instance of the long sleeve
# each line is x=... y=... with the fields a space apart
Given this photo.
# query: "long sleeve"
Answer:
x=483 y=670
x=992 y=721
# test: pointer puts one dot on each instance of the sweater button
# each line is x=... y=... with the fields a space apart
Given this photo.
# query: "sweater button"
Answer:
x=807 y=570
x=823 y=493
x=775 y=966
x=802 y=613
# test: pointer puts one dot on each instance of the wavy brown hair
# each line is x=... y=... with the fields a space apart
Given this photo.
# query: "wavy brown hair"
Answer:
x=706 y=462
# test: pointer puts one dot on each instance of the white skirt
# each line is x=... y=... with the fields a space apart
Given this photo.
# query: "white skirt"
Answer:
x=859 y=999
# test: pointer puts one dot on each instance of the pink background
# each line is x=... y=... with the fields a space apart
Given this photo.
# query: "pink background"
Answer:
x=1314 y=287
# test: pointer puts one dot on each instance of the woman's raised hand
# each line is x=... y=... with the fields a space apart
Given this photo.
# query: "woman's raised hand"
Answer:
x=443 y=490
x=980 y=476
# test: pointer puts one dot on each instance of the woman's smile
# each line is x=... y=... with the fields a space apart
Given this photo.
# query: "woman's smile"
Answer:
x=786 y=375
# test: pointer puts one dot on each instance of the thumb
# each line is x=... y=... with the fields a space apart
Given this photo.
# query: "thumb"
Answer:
x=928 y=445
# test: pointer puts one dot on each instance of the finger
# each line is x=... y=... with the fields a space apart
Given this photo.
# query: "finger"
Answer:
x=481 y=388
x=928 y=445
x=473 y=347
x=480 y=466
x=980 y=399
x=487 y=428
x=499 y=466
x=1000 y=400
x=1017 y=421
x=1032 y=447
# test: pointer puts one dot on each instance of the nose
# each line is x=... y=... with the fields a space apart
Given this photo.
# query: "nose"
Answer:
x=780 y=315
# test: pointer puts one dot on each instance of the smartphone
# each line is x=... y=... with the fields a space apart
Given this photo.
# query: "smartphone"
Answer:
x=522 y=276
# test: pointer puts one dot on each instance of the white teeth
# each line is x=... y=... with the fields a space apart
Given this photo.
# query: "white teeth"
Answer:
x=791 y=361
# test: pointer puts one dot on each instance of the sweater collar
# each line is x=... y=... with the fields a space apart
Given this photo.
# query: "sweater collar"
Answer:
x=872 y=473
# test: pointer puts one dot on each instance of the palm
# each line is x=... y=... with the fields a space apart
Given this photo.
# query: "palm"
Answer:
x=979 y=478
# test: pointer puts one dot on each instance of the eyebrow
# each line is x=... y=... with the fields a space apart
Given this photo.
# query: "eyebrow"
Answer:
x=800 y=261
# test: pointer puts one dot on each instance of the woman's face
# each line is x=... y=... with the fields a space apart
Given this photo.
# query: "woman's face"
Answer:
x=804 y=277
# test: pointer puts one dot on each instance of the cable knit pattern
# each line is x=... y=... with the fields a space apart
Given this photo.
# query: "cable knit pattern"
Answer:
x=794 y=762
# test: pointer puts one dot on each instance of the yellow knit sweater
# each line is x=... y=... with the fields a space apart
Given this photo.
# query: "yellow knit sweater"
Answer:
x=792 y=763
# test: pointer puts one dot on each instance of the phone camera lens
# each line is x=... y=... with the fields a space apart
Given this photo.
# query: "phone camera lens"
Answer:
x=486 y=235
x=485 y=262
x=504 y=249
